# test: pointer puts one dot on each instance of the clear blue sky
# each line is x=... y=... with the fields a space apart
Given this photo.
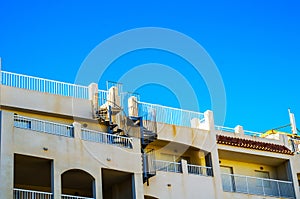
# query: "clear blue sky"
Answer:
x=255 y=45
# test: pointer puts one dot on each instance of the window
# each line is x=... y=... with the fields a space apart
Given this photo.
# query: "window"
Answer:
x=262 y=175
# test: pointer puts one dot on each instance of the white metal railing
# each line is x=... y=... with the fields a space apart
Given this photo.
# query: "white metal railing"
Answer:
x=167 y=166
x=252 y=133
x=106 y=138
x=257 y=186
x=168 y=115
x=43 y=126
x=64 y=196
x=29 y=194
x=102 y=97
x=44 y=85
x=224 y=128
x=199 y=170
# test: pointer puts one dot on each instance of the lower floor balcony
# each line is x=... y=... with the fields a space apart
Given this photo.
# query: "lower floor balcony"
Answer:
x=257 y=186
x=31 y=194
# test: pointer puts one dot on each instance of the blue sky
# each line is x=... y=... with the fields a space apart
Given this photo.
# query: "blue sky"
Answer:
x=255 y=45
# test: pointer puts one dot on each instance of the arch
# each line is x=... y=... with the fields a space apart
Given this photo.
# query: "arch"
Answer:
x=77 y=182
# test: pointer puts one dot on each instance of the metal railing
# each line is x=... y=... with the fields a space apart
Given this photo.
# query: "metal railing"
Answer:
x=43 y=126
x=64 y=196
x=257 y=186
x=224 y=128
x=167 y=166
x=29 y=194
x=232 y=130
x=168 y=115
x=252 y=133
x=199 y=170
x=102 y=97
x=44 y=85
x=106 y=138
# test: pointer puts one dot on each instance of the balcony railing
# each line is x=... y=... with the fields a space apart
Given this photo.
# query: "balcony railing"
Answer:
x=44 y=85
x=257 y=186
x=106 y=138
x=199 y=170
x=29 y=194
x=64 y=196
x=43 y=126
x=168 y=115
x=167 y=166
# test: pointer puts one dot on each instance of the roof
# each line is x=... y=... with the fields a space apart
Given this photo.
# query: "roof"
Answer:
x=251 y=144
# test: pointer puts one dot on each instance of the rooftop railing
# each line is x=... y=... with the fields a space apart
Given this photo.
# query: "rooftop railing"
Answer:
x=168 y=115
x=30 y=194
x=252 y=133
x=167 y=166
x=232 y=130
x=43 y=126
x=199 y=170
x=106 y=138
x=44 y=85
x=64 y=196
x=224 y=128
x=257 y=186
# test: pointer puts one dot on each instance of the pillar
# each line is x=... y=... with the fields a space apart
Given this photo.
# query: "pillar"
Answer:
x=93 y=97
x=133 y=106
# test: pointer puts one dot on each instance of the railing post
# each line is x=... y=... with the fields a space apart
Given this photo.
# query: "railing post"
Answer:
x=262 y=183
x=239 y=130
x=247 y=185
x=279 y=194
x=184 y=166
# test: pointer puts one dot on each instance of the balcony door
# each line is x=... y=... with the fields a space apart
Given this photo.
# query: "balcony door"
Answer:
x=227 y=178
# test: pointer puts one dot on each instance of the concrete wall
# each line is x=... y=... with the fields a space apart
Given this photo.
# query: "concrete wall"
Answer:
x=66 y=153
x=166 y=185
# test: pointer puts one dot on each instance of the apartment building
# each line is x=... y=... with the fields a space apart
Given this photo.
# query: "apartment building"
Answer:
x=66 y=141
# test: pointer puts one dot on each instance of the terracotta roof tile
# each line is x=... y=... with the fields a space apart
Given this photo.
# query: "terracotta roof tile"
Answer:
x=251 y=144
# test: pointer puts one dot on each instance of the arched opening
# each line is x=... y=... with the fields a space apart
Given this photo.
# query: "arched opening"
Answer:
x=76 y=182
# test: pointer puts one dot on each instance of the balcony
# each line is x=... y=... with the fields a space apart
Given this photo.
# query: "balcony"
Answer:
x=199 y=170
x=29 y=194
x=178 y=167
x=106 y=138
x=43 y=126
x=167 y=166
x=257 y=186
x=59 y=129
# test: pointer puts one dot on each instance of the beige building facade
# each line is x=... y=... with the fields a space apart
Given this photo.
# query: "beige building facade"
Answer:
x=66 y=141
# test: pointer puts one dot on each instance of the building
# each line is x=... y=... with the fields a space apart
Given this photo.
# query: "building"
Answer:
x=66 y=141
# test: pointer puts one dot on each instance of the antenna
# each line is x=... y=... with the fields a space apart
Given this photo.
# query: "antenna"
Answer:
x=293 y=122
